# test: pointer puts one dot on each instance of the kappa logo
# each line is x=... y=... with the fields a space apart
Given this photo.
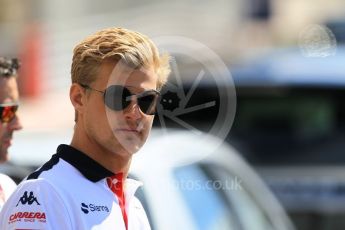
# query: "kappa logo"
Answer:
x=28 y=199
x=93 y=208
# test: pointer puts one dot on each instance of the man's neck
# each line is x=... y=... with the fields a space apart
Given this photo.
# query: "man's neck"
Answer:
x=111 y=161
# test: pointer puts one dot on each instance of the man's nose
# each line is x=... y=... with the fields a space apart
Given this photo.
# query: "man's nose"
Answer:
x=133 y=111
x=15 y=124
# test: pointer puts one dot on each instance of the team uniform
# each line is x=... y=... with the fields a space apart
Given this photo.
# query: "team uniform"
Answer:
x=7 y=186
x=72 y=191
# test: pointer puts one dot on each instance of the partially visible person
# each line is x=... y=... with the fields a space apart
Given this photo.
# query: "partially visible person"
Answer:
x=9 y=122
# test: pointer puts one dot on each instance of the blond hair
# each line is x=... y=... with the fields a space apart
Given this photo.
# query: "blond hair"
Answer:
x=134 y=48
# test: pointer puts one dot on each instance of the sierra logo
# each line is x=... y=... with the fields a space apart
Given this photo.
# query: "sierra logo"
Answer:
x=93 y=208
x=28 y=216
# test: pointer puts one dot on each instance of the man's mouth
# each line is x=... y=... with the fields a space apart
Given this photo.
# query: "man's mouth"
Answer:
x=128 y=130
x=131 y=128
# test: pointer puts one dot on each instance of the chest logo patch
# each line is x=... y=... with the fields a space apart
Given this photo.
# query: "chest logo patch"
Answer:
x=86 y=208
x=28 y=199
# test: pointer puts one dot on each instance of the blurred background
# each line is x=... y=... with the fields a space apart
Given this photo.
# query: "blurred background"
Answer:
x=285 y=57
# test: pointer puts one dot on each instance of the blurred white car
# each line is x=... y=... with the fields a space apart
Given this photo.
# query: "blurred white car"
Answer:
x=191 y=184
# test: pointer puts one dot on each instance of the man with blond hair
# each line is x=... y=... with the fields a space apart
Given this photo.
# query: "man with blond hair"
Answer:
x=116 y=77
x=9 y=121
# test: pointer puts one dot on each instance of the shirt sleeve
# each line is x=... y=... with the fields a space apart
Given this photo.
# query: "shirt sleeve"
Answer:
x=35 y=204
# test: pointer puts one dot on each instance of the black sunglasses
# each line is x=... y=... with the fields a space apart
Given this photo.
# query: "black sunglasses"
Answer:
x=8 y=112
x=118 y=97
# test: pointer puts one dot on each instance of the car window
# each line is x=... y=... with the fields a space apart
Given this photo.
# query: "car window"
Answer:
x=250 y=213
x=207 y=206
x=290 y=126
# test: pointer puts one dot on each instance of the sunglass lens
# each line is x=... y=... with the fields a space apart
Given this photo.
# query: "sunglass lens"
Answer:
x=116 y=97
x=8 y=113
x=148 y=103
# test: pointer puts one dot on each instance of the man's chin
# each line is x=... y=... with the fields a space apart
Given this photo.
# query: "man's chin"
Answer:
x=128 y=148
x=130 y=144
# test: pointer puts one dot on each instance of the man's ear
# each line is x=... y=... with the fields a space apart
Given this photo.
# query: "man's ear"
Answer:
x=77 y=97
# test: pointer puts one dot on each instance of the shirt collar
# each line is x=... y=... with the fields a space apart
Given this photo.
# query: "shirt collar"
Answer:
x=131 y=187
x=91 y=169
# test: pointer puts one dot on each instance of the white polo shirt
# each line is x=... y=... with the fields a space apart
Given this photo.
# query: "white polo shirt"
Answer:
x=70 y=192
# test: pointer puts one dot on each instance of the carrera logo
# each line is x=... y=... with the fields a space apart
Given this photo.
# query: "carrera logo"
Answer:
x=28 y=199
x=93 y=208
x=27 y=217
